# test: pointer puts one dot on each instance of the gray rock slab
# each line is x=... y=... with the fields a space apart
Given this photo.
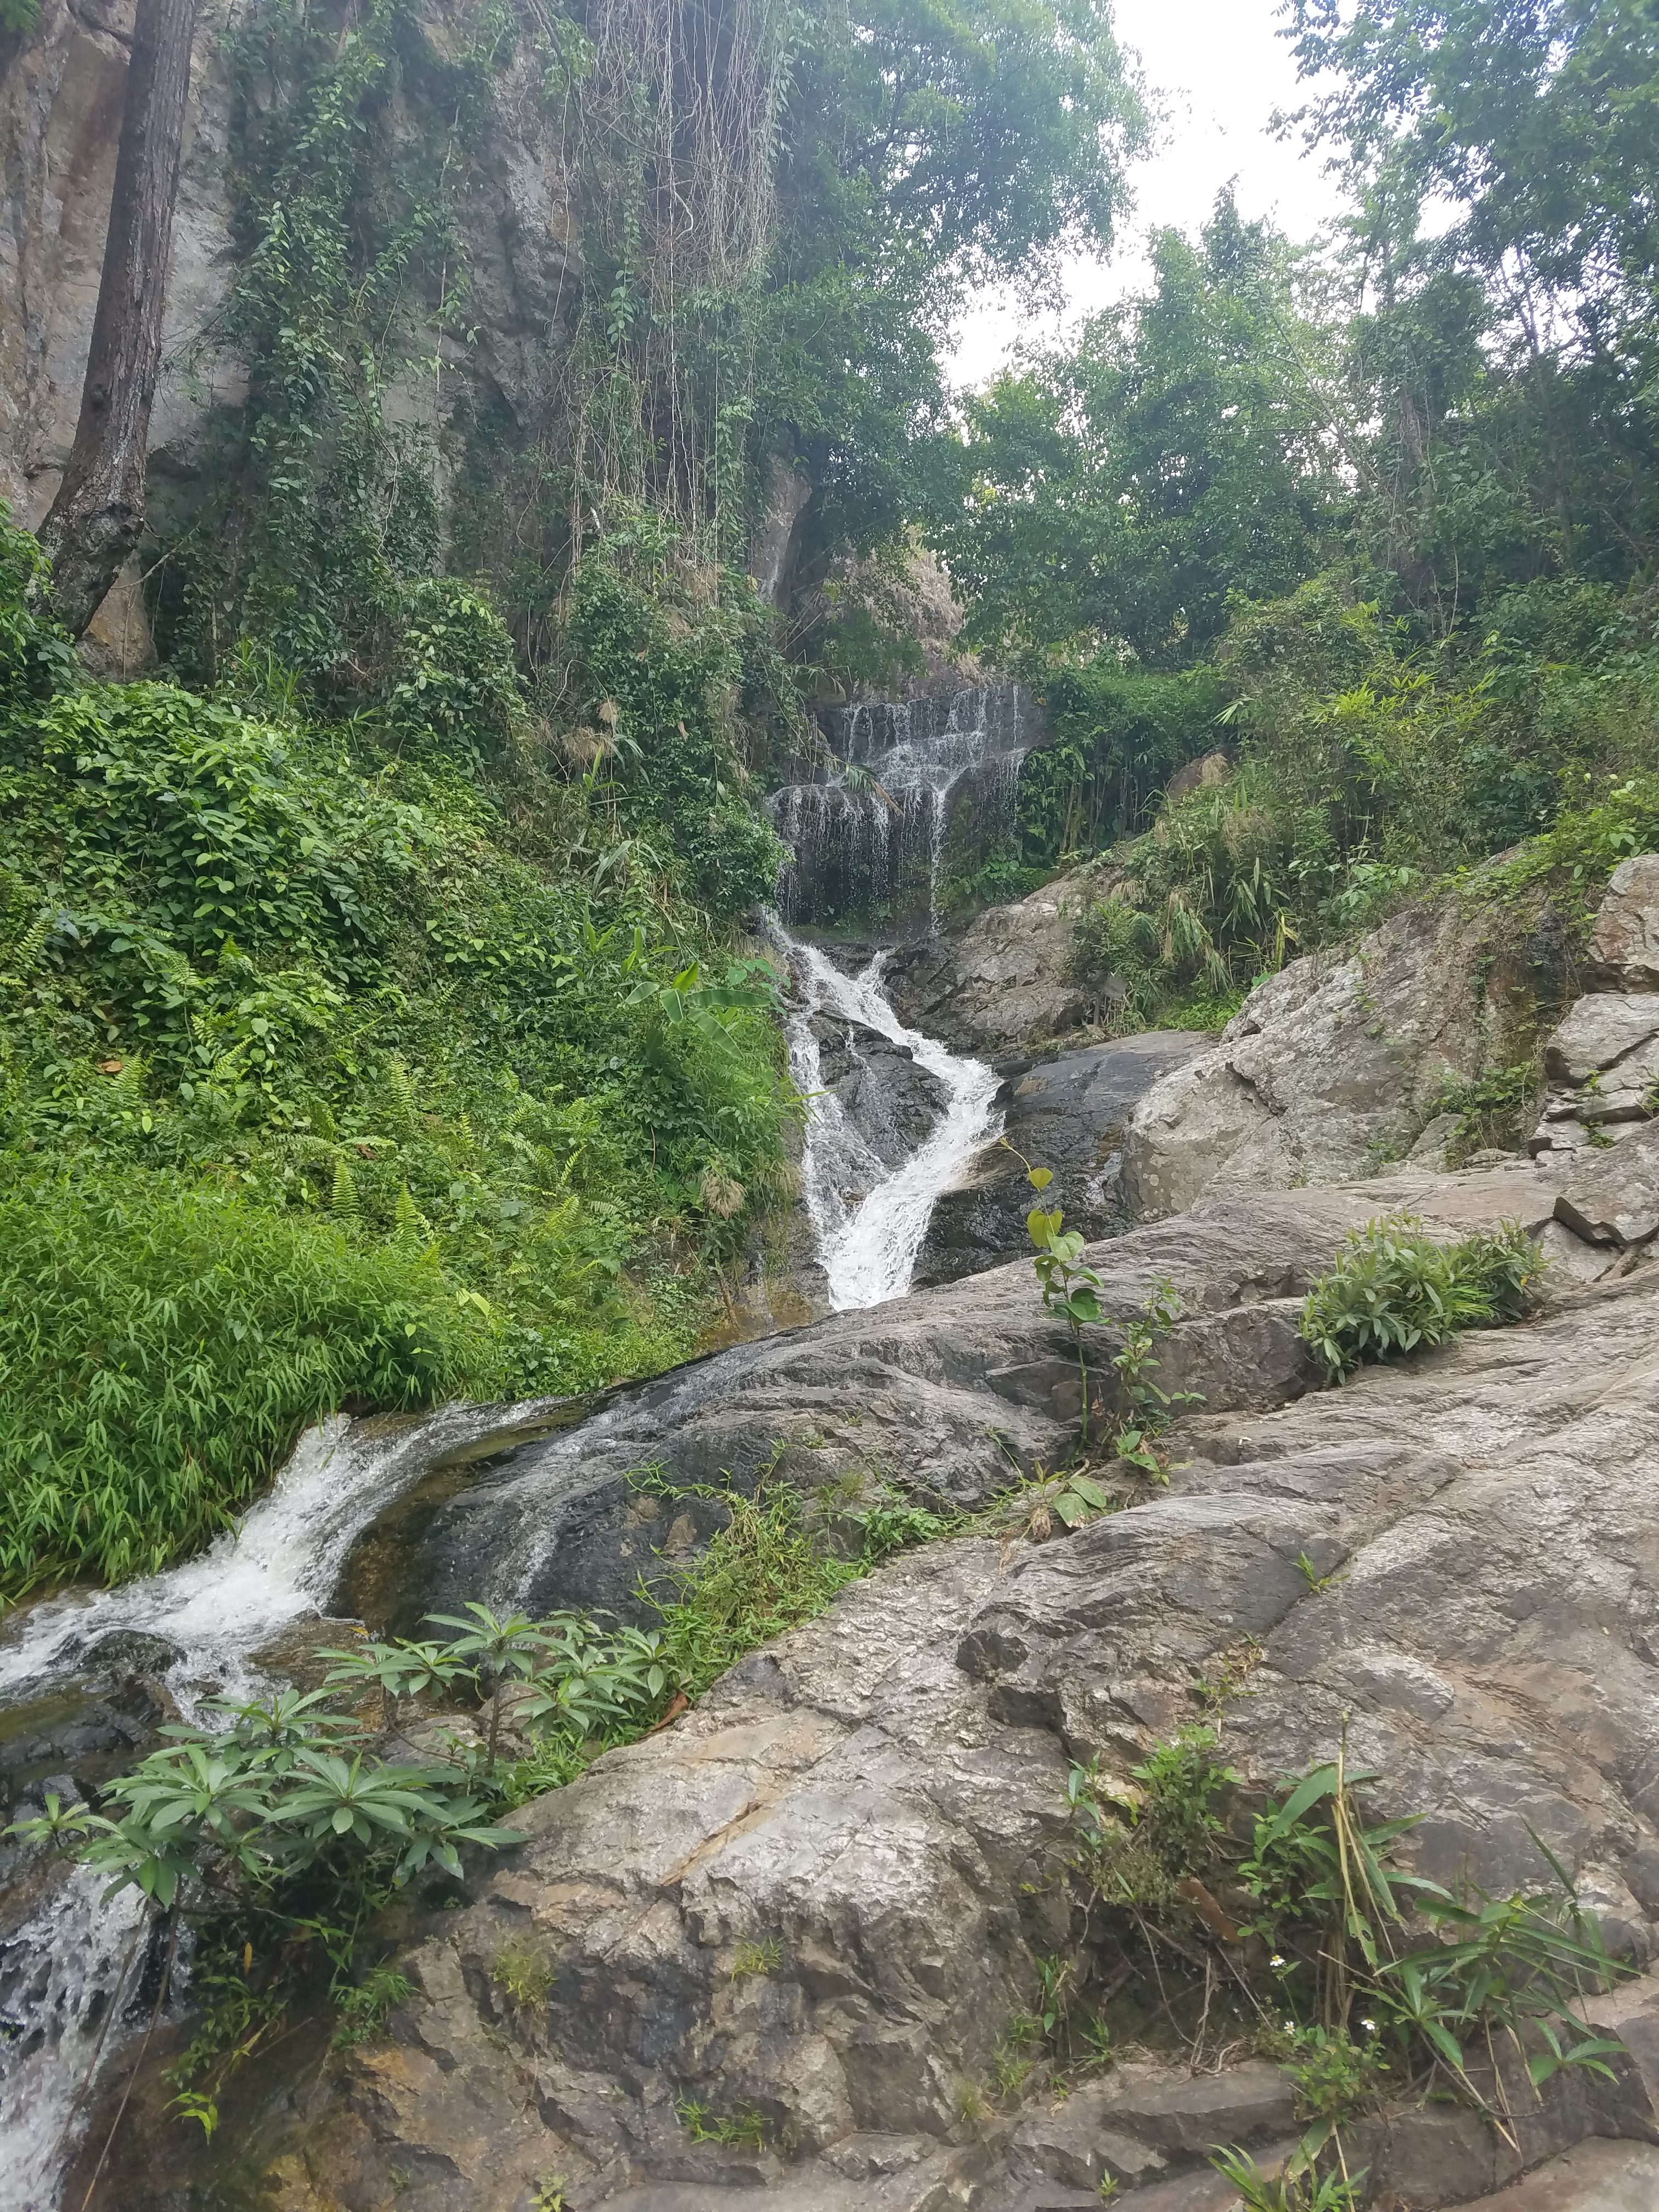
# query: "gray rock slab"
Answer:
x=1591 y=2177
x=1600 y=1031
x=935 y=1394
x=877 y=1792
x=1332 y=1065
x=1612 y=1196
x=1625 y=949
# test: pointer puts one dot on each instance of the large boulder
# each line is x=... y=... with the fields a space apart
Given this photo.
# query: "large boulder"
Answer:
x=1331 y=1067
x=1003 y=983
x=814 y=1904
x=1625 y=949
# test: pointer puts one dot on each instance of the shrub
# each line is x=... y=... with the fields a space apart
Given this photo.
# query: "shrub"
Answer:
x=1394 y=1288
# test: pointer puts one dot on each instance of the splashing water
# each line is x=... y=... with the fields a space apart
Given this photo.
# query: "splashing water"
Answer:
x=68 y=1975
x=869 y=1220
x=69 y=1997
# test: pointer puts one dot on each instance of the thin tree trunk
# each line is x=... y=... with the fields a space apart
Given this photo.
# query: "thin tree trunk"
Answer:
x=98 y=515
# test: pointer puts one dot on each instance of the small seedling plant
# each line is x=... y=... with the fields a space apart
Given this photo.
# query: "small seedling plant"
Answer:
x=1071 y=1290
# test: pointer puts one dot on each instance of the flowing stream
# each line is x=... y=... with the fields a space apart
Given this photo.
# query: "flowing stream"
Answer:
x=70 y=1973
x=869 y=1219
x=73 y=1989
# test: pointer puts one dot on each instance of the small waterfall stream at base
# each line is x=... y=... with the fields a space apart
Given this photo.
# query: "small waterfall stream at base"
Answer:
x=868 y=1219
x=70 y=1973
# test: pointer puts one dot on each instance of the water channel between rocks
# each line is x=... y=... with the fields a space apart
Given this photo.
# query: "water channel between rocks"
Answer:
x=76 y=1980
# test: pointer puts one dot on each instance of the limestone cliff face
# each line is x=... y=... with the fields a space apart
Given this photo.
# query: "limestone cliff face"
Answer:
x=61 y=93
x=60 y=117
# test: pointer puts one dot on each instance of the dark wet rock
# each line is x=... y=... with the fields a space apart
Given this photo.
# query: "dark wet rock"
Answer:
x=1065 y=1113
x=889 y=1097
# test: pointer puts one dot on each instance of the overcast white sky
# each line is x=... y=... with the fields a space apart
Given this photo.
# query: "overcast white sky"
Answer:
x=1220 y=71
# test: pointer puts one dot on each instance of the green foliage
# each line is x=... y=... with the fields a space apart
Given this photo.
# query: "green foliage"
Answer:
x=742 y=2129
x=1073 y=1290
x=1121 y=492
x=1290 y=2192
x=1120 y=734
x=1494 y=1110
x=1394 y=1288
x=1375 y=1980
x=523 y=1974
x=365 y=2007
x=1505 y=357
x=756 y=1954
x=163 y=1342
x=762 y=1574
x=331 y=1074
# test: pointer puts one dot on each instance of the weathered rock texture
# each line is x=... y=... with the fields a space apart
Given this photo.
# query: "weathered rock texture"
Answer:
x=1002 y=983
x=1333 y=1066
x=1065 y=1113
x=819 y=1896
x=1602 y=1065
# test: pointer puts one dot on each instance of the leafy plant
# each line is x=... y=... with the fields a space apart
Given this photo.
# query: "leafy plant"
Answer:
x=1291 y=2191
x=1072 y=1291
x=1394 y=1288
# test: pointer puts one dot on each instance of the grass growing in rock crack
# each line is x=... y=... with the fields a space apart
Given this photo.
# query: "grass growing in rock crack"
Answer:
x=742 y=2129
x=771 y=1567
x=1364 y=1980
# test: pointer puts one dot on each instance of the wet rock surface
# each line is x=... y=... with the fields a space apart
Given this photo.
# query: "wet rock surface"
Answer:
x=874 y=1801
x=940 y=1396
x=887 y=1096
x=1065 y=1113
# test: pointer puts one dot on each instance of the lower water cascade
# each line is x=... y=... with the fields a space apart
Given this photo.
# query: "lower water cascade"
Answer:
x=70 y=1973
x=78 y=1969
x=869 y=1219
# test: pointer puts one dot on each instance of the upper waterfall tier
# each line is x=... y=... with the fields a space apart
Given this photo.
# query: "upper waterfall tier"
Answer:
x=900 y=798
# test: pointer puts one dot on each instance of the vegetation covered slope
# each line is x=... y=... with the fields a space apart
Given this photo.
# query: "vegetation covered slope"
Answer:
x=340 y=1064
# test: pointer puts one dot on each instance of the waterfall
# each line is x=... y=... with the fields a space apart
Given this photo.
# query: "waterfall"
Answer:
x=69 y=1974
x=866 y=831
x=868 y=1220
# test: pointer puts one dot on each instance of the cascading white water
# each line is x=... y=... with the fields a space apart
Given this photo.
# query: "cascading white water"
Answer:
x=62 y=1971
x=866 y=830
x=868 y=1219
x=69 y=1994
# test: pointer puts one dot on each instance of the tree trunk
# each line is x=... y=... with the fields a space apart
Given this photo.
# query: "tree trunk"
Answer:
x=96 y=518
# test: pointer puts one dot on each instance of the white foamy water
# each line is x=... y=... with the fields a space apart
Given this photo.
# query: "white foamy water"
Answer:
x=64 y=1970
x=869 y=1219
x=63 y=1973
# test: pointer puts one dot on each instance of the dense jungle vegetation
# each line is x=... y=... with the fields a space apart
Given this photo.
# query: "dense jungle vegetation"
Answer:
x=381 y=1017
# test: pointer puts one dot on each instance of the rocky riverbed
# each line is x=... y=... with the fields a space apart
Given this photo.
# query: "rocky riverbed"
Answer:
x=869 y=1805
